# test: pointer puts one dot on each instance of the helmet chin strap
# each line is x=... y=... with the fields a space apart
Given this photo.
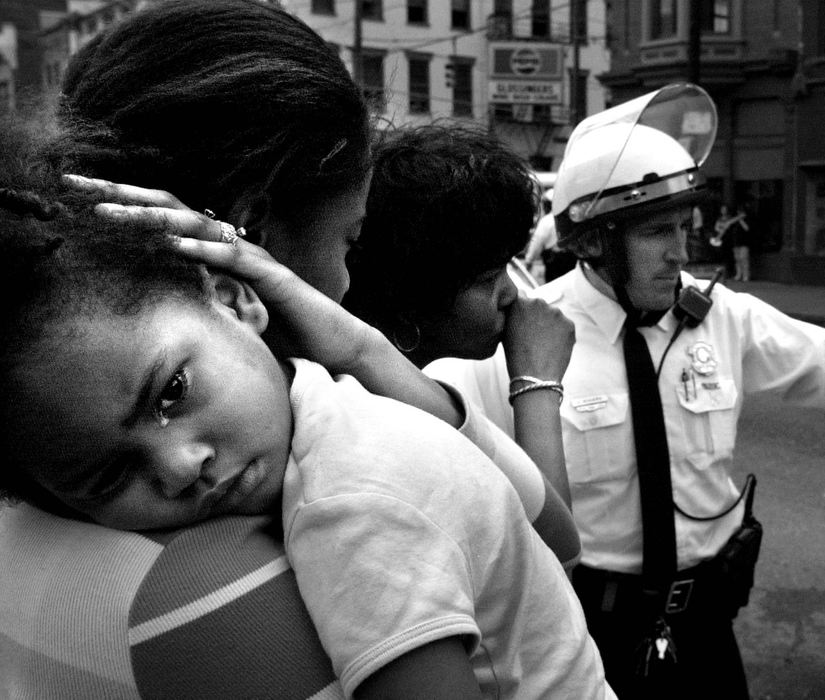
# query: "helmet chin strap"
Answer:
x=641 y=317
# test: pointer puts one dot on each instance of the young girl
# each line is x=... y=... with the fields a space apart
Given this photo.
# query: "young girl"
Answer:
x=140 y=396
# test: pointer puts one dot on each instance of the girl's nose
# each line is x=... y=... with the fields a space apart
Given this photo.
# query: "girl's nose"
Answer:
x=177 y=467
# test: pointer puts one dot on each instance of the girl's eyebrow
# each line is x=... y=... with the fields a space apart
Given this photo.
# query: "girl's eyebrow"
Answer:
x=147 y=384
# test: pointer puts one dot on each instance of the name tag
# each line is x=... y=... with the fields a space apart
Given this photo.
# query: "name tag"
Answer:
x=589 y=403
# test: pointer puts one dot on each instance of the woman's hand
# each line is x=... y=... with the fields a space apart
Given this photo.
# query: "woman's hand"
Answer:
x=150 y=209
x=308 y=324
x=538 y=339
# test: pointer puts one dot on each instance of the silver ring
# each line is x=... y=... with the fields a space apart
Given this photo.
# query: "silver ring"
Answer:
x=229 y=234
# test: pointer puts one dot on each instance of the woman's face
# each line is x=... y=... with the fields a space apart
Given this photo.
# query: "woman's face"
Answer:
x=315 y=246
x=473 y=327
x=157 y=420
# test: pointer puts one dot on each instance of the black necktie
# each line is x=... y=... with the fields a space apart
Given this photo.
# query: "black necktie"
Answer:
x=653 y=463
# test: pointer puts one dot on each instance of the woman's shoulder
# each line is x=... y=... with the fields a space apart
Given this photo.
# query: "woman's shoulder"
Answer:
x=208 y=611
x=220 y=615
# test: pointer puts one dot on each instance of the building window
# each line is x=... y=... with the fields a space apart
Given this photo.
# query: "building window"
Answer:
x=372 y=9
x=417 y=12
x=716 y=16
x=419 y=68
x=578 y=21
x=372 y=74
x=540 y=19
x=322 y=7
x=462 y=87
x=460 y=14
x=662 y=19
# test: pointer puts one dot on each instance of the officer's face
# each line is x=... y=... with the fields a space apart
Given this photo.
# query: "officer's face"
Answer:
x=656 y=253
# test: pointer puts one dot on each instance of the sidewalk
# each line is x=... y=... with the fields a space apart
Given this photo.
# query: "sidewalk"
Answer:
x=804 y=302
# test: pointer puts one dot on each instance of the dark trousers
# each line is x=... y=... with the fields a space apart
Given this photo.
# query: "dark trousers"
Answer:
x=708 y=663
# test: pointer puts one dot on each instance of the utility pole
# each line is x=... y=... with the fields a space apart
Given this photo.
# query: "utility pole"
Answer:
x=694 y=42
x=357 y=62
x=575 y=30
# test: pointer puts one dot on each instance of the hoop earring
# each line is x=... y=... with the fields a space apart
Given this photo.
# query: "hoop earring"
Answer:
x=407 y=337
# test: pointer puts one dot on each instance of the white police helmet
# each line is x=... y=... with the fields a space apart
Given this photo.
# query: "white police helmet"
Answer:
x=633 y=159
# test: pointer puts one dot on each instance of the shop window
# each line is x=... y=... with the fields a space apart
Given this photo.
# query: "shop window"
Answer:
x=372 y=74
x=462 y=88
x=419 y=69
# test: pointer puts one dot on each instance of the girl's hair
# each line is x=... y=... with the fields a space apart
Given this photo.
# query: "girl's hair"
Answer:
x=446 y=204
x=58 y=262
x=212 y=100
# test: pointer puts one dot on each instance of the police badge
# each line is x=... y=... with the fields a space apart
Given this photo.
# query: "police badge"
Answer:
x=702 y=359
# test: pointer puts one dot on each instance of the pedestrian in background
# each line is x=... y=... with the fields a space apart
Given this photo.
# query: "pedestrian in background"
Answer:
x=740 y=235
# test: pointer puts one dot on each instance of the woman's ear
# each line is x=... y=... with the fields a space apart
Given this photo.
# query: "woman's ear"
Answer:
x=242 y=299
x=252 y=212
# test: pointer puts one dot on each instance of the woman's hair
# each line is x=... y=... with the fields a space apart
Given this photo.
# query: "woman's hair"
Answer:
x=58 y=262
x=213 y=100
x=446 y=204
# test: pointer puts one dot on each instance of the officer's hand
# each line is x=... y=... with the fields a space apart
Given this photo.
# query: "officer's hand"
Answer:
x=538 y=339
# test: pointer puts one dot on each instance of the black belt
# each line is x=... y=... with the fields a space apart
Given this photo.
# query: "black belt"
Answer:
x=693 y=588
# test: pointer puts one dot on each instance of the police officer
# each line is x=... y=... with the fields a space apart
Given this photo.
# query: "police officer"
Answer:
x=652 y=396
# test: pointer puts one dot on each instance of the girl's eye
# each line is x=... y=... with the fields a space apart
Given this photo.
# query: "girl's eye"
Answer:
x=173 y=393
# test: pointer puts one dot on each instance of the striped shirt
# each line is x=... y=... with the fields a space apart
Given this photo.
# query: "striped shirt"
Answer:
x=210 y=611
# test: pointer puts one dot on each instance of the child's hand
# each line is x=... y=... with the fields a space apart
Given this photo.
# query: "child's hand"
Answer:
x=305 y=323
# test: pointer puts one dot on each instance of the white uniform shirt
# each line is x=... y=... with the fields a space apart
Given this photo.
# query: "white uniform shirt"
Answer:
x=743 y=346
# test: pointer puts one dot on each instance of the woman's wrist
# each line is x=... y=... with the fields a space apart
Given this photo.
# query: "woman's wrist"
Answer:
x=525 y=383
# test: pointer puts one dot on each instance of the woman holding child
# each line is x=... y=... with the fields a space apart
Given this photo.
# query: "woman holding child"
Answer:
x=208 y=607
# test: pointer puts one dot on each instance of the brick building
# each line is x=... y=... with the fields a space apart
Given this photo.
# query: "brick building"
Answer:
x=764 y=64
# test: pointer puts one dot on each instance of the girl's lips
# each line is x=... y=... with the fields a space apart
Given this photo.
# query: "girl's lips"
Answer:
x=238 y=486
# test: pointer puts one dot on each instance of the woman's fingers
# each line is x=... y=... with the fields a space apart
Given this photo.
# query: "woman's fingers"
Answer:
x=242 y=259
x=183 y=223
x=124 y=194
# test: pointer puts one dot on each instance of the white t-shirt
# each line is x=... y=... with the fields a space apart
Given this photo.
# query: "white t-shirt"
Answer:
x=401 y=532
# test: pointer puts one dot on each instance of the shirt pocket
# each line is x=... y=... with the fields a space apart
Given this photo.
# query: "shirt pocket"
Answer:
x=596 y=436
x=708 y=418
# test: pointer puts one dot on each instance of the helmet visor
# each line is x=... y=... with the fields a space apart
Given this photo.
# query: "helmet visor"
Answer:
x=682 y=111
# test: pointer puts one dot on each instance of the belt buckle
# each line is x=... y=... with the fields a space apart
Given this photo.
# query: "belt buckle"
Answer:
x=679 y=595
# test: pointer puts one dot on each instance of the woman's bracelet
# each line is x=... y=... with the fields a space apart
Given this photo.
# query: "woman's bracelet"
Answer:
x=533 y=383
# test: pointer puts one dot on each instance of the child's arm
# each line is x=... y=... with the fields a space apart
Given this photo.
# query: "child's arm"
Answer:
x=440 y=670
x=310 y=324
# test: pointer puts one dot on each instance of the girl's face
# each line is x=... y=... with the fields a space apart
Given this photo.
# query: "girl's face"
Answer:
x=474 y=326
x=158 y=420
x=315 y=246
